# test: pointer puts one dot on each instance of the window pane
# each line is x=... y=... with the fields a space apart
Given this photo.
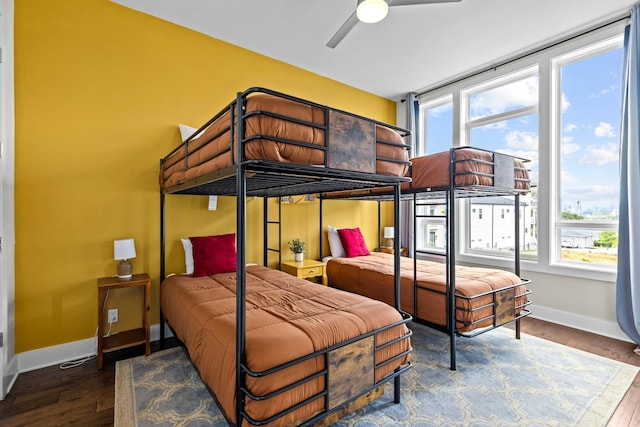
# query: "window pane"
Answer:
x=437 y=127
x=508 y=97
x=492 y=225
x=591 y=99
x=431 y=232
x=589 y=246
x=517 y=137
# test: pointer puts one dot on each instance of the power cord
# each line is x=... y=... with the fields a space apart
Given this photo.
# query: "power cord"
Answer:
x=78 y=362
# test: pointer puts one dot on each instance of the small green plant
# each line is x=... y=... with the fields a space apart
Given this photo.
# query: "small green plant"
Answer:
x=297 y=246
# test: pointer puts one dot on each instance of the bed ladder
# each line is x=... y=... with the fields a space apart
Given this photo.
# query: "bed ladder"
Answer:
x=268 y=225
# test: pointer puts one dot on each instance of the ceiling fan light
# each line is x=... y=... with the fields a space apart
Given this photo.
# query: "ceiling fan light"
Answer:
x=372 y=11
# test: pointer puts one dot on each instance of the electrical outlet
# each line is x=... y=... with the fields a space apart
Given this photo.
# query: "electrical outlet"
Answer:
x=113 y=315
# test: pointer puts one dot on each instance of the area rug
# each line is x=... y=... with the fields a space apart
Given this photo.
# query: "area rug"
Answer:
x=500 y=381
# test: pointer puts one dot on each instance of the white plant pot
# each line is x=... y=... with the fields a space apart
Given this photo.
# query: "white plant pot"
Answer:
x=298 y=256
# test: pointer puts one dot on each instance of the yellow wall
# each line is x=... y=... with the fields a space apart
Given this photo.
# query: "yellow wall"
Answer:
x=100 y=90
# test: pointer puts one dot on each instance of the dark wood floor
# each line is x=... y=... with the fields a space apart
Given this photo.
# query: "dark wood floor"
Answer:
x=85 y=396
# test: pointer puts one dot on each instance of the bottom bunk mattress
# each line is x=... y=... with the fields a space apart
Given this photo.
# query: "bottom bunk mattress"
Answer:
x=485 y=297
x=286 y=318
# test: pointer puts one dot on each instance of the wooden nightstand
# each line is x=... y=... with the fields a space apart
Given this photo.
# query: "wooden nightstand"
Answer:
x=125 y=338
x=306 y=269
x=403 y=251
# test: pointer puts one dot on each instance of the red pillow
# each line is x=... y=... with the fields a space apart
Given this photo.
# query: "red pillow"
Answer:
x=353 y=242
x=214 y=254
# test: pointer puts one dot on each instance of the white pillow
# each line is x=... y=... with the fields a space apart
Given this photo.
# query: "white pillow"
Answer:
x=335 y=245
x=187 y=131
x=188 y=255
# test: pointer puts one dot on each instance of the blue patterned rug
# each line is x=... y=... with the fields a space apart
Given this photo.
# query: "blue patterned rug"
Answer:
x=500 y=381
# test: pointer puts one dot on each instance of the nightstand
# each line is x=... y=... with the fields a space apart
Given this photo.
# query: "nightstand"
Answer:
x=403 y=251
x=306 y=269
x=125 y=338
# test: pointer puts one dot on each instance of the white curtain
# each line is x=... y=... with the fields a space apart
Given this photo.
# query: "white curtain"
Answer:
x=628 y=279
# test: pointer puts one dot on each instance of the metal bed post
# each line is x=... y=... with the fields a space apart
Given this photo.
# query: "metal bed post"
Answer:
x=396 y=244
x=396 y=268
x=241 y=274
x=162 y=255
x=517 y=249
x=415 y=255
x=321 y=255
x=379 y=229
x=265 y=231
x=451 y=261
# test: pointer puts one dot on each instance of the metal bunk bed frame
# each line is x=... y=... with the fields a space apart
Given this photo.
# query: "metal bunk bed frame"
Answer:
x=503 y=178
x=271 y=179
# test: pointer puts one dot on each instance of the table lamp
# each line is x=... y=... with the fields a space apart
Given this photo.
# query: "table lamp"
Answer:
x=124 y=250
x=388 y=234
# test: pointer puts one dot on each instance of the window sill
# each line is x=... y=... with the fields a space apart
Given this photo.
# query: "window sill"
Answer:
x=603 y=274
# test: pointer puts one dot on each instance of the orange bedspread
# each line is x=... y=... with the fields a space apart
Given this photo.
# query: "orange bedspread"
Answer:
x=211 y=150
x=287 y=318
x=372 y=276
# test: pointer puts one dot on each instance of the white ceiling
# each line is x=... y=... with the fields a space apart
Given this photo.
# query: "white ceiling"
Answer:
x=413 y=48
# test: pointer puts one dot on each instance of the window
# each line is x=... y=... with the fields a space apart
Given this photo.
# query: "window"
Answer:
x=436 y=120
x=502 y=116
x=587 y=99
x=559 y=108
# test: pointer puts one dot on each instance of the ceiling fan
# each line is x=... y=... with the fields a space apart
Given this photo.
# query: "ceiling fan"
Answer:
x=371 y=11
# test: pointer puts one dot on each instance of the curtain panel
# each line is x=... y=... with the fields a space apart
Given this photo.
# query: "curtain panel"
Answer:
x=628 y=278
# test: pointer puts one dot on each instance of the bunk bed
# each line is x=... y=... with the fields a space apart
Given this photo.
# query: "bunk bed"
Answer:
x=460 y=301
x=274 y=349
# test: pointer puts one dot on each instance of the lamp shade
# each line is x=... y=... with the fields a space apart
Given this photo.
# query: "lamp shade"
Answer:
x=124 y=249
x=372 y=11
x=388 y=232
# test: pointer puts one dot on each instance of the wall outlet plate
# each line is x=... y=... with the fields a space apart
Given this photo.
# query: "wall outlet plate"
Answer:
x=112 y=315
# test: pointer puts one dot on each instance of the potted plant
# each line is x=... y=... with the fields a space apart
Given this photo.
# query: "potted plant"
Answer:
x=298 y=248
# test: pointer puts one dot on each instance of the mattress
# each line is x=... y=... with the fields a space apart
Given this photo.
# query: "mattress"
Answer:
x=372 y=276
x=283 y=130
x=473 y=167
x=286 y=318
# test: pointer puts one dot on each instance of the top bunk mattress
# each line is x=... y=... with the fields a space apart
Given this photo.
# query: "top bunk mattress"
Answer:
x=289 y=130
x=472 y=167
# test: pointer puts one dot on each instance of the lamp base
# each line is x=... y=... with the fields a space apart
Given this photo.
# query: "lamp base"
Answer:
x=389 y=243
x=124 y=270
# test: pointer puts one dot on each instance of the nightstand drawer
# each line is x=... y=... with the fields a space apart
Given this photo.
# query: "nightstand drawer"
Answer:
x=311 y=271
x=306 y=269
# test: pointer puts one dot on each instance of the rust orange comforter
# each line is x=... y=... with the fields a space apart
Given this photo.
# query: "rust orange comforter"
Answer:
x=287 y=318
x=211 y=150
x=372 y=276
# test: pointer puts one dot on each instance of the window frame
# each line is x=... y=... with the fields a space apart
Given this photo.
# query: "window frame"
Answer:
x=557 y=224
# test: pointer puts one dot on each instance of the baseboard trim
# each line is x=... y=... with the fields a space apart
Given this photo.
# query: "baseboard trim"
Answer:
x=58 y=354
x=577 y=321
x=49 y=356
x=10 y=376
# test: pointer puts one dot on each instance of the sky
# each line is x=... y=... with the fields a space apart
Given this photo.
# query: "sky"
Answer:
x=589 y=137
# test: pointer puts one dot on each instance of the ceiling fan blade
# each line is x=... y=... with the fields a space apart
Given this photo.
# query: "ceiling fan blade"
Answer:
x=343 y=31
x=413 y=2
